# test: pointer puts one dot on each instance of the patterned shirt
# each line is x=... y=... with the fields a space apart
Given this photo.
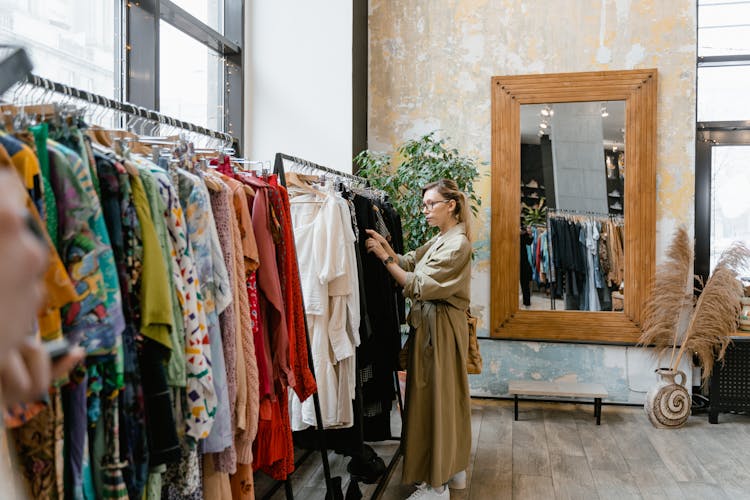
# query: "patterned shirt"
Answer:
x=96 y=319
x=201 y=395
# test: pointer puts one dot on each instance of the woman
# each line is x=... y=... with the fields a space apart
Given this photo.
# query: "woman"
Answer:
x=436 y=277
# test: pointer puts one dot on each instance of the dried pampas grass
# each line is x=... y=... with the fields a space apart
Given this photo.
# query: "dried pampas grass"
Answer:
x=671 y=298
x=714 y=318
x=711 y=322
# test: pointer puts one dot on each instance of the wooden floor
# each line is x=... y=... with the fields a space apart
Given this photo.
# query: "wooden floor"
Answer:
x=557 y=451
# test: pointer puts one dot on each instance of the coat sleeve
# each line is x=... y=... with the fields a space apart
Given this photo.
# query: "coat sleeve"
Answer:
x=440 y=277
x=409 y=260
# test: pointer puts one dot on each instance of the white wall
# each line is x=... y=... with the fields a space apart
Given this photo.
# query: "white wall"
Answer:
x=298 y=81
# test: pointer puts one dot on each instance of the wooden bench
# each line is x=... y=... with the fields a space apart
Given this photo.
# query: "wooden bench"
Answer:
x=566 y=389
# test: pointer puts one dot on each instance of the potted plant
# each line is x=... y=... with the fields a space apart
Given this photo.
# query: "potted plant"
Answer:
x=421 y=161
x=677 y=324
x=534 y=215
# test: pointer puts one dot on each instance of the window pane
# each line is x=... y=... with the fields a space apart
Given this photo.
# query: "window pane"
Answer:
x=723 y=93
x=190 y=79
x=69 y=41
x=210 y=12
x=730 y=203
x=723 y=28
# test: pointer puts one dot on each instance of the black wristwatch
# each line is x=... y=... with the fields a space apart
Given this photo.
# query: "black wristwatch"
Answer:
x=388 y=260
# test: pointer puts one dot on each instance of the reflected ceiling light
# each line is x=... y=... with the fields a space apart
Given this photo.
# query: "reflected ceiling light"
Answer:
x=543 y=125
x=605 y=113
x=547 y=111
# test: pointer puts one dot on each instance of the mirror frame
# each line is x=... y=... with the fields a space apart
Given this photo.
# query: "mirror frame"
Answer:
x=638 y=89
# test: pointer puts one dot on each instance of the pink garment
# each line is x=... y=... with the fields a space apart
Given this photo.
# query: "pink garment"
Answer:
x=226 y=461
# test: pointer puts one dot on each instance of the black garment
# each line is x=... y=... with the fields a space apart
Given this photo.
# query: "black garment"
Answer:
x=526 y=272
x=377 y=356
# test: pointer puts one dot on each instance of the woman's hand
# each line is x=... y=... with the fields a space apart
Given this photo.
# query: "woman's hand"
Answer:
x=376 y=248
x=28 y=372
x=382 y=243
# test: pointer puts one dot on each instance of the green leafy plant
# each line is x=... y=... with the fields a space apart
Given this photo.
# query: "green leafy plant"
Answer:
x=536 y=215
x=422 y=161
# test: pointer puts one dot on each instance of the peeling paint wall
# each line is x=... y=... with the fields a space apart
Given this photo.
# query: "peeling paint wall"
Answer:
x=430 y=67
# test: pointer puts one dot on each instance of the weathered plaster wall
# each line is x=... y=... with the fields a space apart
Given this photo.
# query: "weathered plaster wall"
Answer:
x=430 y=67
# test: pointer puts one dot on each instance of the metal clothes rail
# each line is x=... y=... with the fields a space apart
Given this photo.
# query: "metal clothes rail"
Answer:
x=278 y=168
x=124 y=107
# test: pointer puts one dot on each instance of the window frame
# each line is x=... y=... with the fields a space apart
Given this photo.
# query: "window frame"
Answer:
x=142 y=53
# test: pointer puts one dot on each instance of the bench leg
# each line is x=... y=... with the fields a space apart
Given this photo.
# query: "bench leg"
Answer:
x=598 y=410
x=515 y=407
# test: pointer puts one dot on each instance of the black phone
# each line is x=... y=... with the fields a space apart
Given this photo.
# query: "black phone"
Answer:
x=56 y=349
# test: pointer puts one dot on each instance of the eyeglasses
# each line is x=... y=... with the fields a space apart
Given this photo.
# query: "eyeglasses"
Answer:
x=429 y=206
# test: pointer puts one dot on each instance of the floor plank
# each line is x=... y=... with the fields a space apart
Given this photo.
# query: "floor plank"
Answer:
x=615 y=484
x=704 y=491
x=530 y=454
x=571 y=477
x=601 y=448
x=528 y=487
x=562 y=434
x=677 y=455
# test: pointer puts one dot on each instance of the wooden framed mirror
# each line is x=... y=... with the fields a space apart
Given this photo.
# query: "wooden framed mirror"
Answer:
x=637 y=88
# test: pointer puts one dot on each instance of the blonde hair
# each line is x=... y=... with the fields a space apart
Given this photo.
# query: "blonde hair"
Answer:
x=449 y=190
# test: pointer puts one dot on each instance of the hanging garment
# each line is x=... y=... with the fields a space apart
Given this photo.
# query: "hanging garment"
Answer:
x=324 y=243
x=377 y=353
x=229 y=320
x=210 y=269
x=96 y=320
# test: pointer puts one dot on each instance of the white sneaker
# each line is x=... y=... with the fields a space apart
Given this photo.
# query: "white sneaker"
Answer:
x=458 y=481
x=426 y=492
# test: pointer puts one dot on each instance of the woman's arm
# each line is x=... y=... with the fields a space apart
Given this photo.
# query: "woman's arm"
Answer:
x=379 y=246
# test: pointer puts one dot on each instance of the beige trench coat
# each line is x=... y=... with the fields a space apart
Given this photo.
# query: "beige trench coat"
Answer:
x=438 y=410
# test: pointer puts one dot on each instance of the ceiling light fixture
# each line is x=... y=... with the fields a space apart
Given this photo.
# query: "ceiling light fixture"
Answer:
x=604 y=111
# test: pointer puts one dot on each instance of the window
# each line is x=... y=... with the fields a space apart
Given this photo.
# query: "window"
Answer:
x=191 y=69
x=722 y=176
x=69 y=41
x=723 y=93
x=730 y=204
x=723 y=28
x=190 y=88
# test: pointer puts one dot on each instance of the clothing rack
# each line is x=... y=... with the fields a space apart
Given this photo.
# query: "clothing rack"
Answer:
x=552 y=212
x=124 y=107
x=383 y=482
x=14 y=67
x=585 y=213
x=333 y=484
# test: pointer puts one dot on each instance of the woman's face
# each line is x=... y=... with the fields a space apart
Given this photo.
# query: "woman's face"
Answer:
x=436 y=209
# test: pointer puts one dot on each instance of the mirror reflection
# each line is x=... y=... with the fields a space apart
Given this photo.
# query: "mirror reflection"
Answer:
x=572 y=206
